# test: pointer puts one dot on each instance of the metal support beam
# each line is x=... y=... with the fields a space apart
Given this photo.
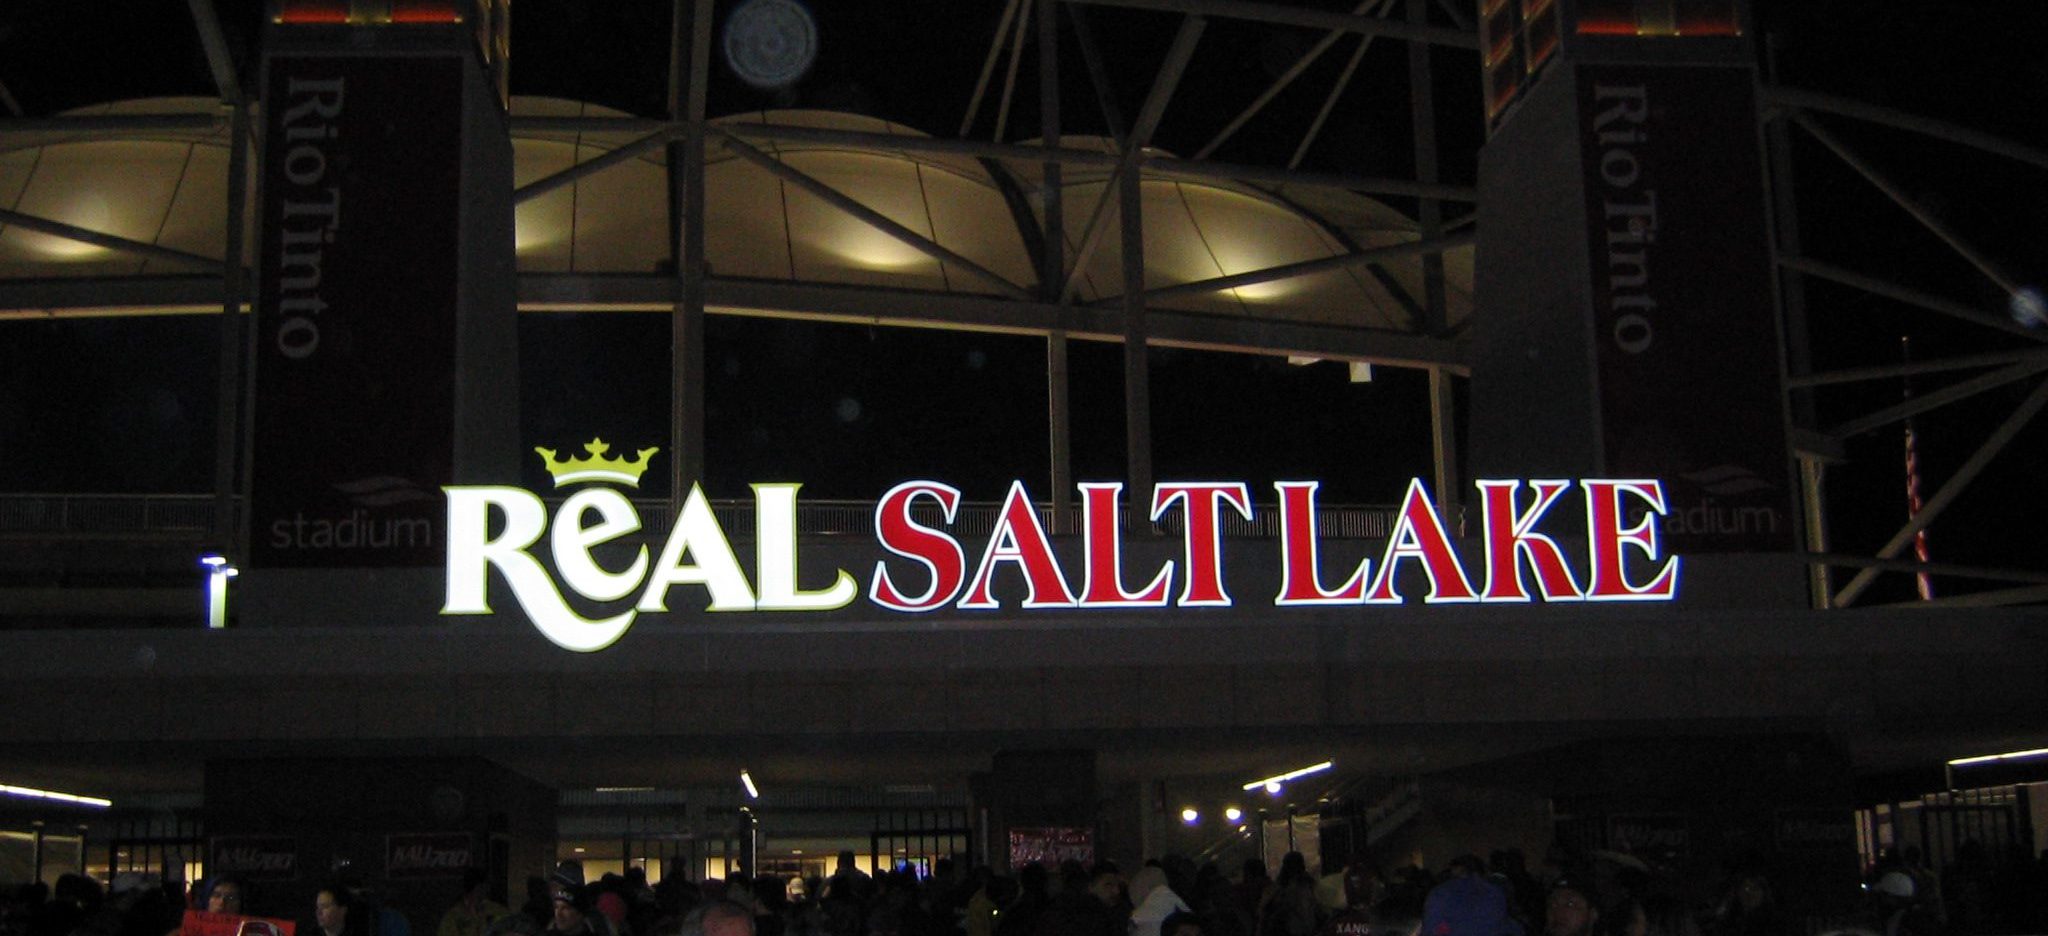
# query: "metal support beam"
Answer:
x=1264 y=175
x=1163 y=85
x=1422 y=108
x=1443 y=443
x=980 y=149
x=1899 y=197
x=531 y=124
x=1304 y=268
x=1909 y=296
x=1305 y=18
x=1337 y=88
x=108 y=241
x=1059 y=430
x=1953 y=570
x=959 y=311
x=1279 y=84
x=678 y=62
x=1098 y=74
x=1010 y=75
x=1813 y=473
x=1269 y=175
x=82 y=297
x=588 y=167
x=227 y=404
x=988 y=66
x=868 y=216
x=686 y=333
x=1052 y=264
x=1950 y=490
x=1435 y=311
x=1785 y=242
x=1137 y=359
x=1990 y=599
x=1923 y=402
x=1937 y=366
x=96 y=124
x=1778 y=96
x=218 y=60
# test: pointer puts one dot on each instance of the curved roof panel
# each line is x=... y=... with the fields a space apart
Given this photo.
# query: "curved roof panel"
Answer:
x=167 y=187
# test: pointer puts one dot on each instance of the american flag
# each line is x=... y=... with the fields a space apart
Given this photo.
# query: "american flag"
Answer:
x=1913 y=503
x=1925 y=581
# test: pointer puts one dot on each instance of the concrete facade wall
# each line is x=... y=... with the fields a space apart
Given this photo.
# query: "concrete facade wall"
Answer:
x=1861 y=673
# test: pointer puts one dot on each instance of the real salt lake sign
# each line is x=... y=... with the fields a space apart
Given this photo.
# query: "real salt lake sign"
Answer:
x=1519 y=562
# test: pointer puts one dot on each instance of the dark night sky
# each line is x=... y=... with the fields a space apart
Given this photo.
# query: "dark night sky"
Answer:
x=127 y=406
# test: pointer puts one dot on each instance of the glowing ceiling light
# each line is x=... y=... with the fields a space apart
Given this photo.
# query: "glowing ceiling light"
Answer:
x=1266 y=292
x=218 y=571
x=1233 y=814
x=531 y=233
x=1190 y=815
x=88 y=211
x=747 y=780
x=1992 y=758
x=1272 y=783
x=871 y=249
x=33 y=793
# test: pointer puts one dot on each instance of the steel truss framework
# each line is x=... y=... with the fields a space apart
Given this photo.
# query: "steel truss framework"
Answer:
x=1050 y=308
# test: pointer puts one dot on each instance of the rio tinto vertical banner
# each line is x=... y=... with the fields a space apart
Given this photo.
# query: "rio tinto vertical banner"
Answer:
x=1684 y=324
x=355 y=348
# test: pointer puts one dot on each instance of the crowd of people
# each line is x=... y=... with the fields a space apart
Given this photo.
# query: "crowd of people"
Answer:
x=1171 y=896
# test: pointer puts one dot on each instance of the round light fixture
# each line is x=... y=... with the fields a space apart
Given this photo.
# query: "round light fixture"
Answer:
x=770 y=43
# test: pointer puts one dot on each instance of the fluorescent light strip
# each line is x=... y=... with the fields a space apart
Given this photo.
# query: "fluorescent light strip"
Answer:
x=748 y=779
x=1290 y=775
x=34 y=793
x=1988 y=758
x=624 y=789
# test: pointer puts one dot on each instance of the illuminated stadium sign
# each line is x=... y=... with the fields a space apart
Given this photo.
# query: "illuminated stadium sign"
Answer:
x=927 y=568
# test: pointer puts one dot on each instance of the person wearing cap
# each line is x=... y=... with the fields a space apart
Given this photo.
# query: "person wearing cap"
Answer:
x=575 y=913
x=1898 y=900
x=1467 y=904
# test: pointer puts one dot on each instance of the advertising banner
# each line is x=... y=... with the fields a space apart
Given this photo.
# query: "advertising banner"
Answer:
x=1816 y=830
x=201 y=923
x=256 y=858
x=429 y=855
x=1686 y=335
x=1660 y=842
x=354 y=411
x=1049 y=846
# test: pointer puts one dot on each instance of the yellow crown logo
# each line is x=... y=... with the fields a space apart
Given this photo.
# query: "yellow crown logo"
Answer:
x=595 y=466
